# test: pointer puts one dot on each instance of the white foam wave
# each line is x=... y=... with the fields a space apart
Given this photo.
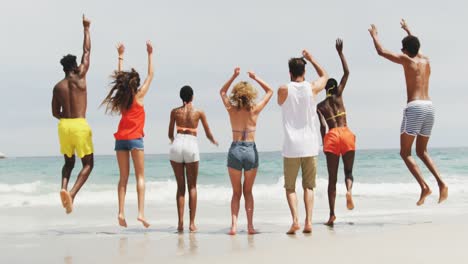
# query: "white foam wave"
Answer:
x=163 y=192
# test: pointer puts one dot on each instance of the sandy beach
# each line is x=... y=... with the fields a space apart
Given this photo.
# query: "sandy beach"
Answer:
x=430 y=234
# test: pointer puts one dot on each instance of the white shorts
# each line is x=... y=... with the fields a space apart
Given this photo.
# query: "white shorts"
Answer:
x=184 y=149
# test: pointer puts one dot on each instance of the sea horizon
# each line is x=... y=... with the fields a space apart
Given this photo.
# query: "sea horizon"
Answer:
x=218 y=152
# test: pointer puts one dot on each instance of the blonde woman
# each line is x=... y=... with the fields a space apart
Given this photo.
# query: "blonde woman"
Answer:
x=243 y=156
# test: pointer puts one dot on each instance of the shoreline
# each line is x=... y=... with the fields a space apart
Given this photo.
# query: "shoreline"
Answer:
x=112 y=154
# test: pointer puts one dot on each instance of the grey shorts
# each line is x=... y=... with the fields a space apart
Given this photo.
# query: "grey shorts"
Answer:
x=242 y=155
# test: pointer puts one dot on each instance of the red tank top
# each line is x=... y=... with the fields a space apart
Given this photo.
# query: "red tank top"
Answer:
x=132 y=123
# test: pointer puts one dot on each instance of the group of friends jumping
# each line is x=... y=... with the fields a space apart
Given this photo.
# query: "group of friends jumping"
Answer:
x=300 y=114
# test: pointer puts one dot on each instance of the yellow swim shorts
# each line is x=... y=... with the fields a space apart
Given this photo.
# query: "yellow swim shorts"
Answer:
x=75 y=135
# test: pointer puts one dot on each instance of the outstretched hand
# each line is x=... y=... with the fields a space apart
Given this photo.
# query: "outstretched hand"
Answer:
x=236 y=72
x=120 y=48
x=373 y=30
x=252 y=75
x=403 y=24
x=339 y=45
x=306 y=54
x=149 y=47
x=86 y=22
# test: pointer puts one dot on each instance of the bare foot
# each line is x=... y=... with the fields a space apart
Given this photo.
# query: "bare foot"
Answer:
x=443 y=193
x=180 y=227
x=67 y=201
x=193 y=228
x=307 y=228
x=292 y=230
x=252 y=231
x=331 y=221
x=122 y=221
x=233 y=231
x=349 y=201
x=143 y=221
x=424 y=194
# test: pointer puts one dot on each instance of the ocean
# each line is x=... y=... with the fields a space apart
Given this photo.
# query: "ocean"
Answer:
x=35 y=181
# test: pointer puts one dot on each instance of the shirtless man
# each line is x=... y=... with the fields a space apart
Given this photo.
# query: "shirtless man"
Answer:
x=339 y=140
x=69 y=106
x=184 y=155
x=298 y=105
x=418 y=116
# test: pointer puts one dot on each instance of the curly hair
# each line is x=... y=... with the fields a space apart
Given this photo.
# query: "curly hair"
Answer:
x=69 y=63
x=243 y=95
x=124 y=88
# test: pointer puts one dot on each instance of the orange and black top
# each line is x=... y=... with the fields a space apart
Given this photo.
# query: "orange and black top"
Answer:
x=132 y=123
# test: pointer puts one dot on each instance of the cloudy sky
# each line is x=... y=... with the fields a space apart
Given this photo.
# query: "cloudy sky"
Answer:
x=200 y=42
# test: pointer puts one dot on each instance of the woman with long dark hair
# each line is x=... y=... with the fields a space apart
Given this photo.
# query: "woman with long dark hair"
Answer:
x=126 y=98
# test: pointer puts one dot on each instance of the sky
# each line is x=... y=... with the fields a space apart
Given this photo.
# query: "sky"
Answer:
x=199 y=43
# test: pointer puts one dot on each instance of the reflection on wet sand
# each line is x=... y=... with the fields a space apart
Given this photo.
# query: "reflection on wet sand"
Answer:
x=193 y=244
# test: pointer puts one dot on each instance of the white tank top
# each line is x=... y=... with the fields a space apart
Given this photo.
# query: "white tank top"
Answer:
x=299 y=121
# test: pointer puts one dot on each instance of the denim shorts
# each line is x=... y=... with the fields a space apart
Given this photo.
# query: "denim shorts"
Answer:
x=243 y=155
x=129 y=144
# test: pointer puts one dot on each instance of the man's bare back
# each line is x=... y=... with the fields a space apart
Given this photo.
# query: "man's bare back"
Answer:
x=417 y=73
x=416 y=66
x=71 y=96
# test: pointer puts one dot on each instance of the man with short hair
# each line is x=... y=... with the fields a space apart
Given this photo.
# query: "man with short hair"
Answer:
x=418 y=115
x=69 y=106
x=300 y=146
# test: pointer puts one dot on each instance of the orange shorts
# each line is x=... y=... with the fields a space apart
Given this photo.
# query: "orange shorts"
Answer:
x=339 y=140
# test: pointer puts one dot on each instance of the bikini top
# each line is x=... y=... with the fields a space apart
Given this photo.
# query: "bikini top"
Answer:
x=329 y=94
x=244 y=132
x=337 y=115
x=189 y=129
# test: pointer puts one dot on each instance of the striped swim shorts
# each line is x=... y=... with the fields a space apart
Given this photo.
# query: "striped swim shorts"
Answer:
x=418 y=118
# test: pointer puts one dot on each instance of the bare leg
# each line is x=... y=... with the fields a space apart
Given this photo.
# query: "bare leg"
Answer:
x=249 y=179
x=421 y=151
x=192 y=175
x=235 y=176
x=138 y=157
x=88 y=164
x=348 y=162
x=406 y=141
x=180 y=195
x=332 y=166
x=64 y=194
x=123 y=159
x=66 y=170
x=292 y=202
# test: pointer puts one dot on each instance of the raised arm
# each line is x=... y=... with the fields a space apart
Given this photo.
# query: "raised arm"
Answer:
x=344 y=79
x=206 y=127
x=146 y=84
x=391 y=56
x=268 y=92
x=83 y=69
x=225 y=88
x=405 y=27
x=170 y=133
x=120 y=51
x=319 y=84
